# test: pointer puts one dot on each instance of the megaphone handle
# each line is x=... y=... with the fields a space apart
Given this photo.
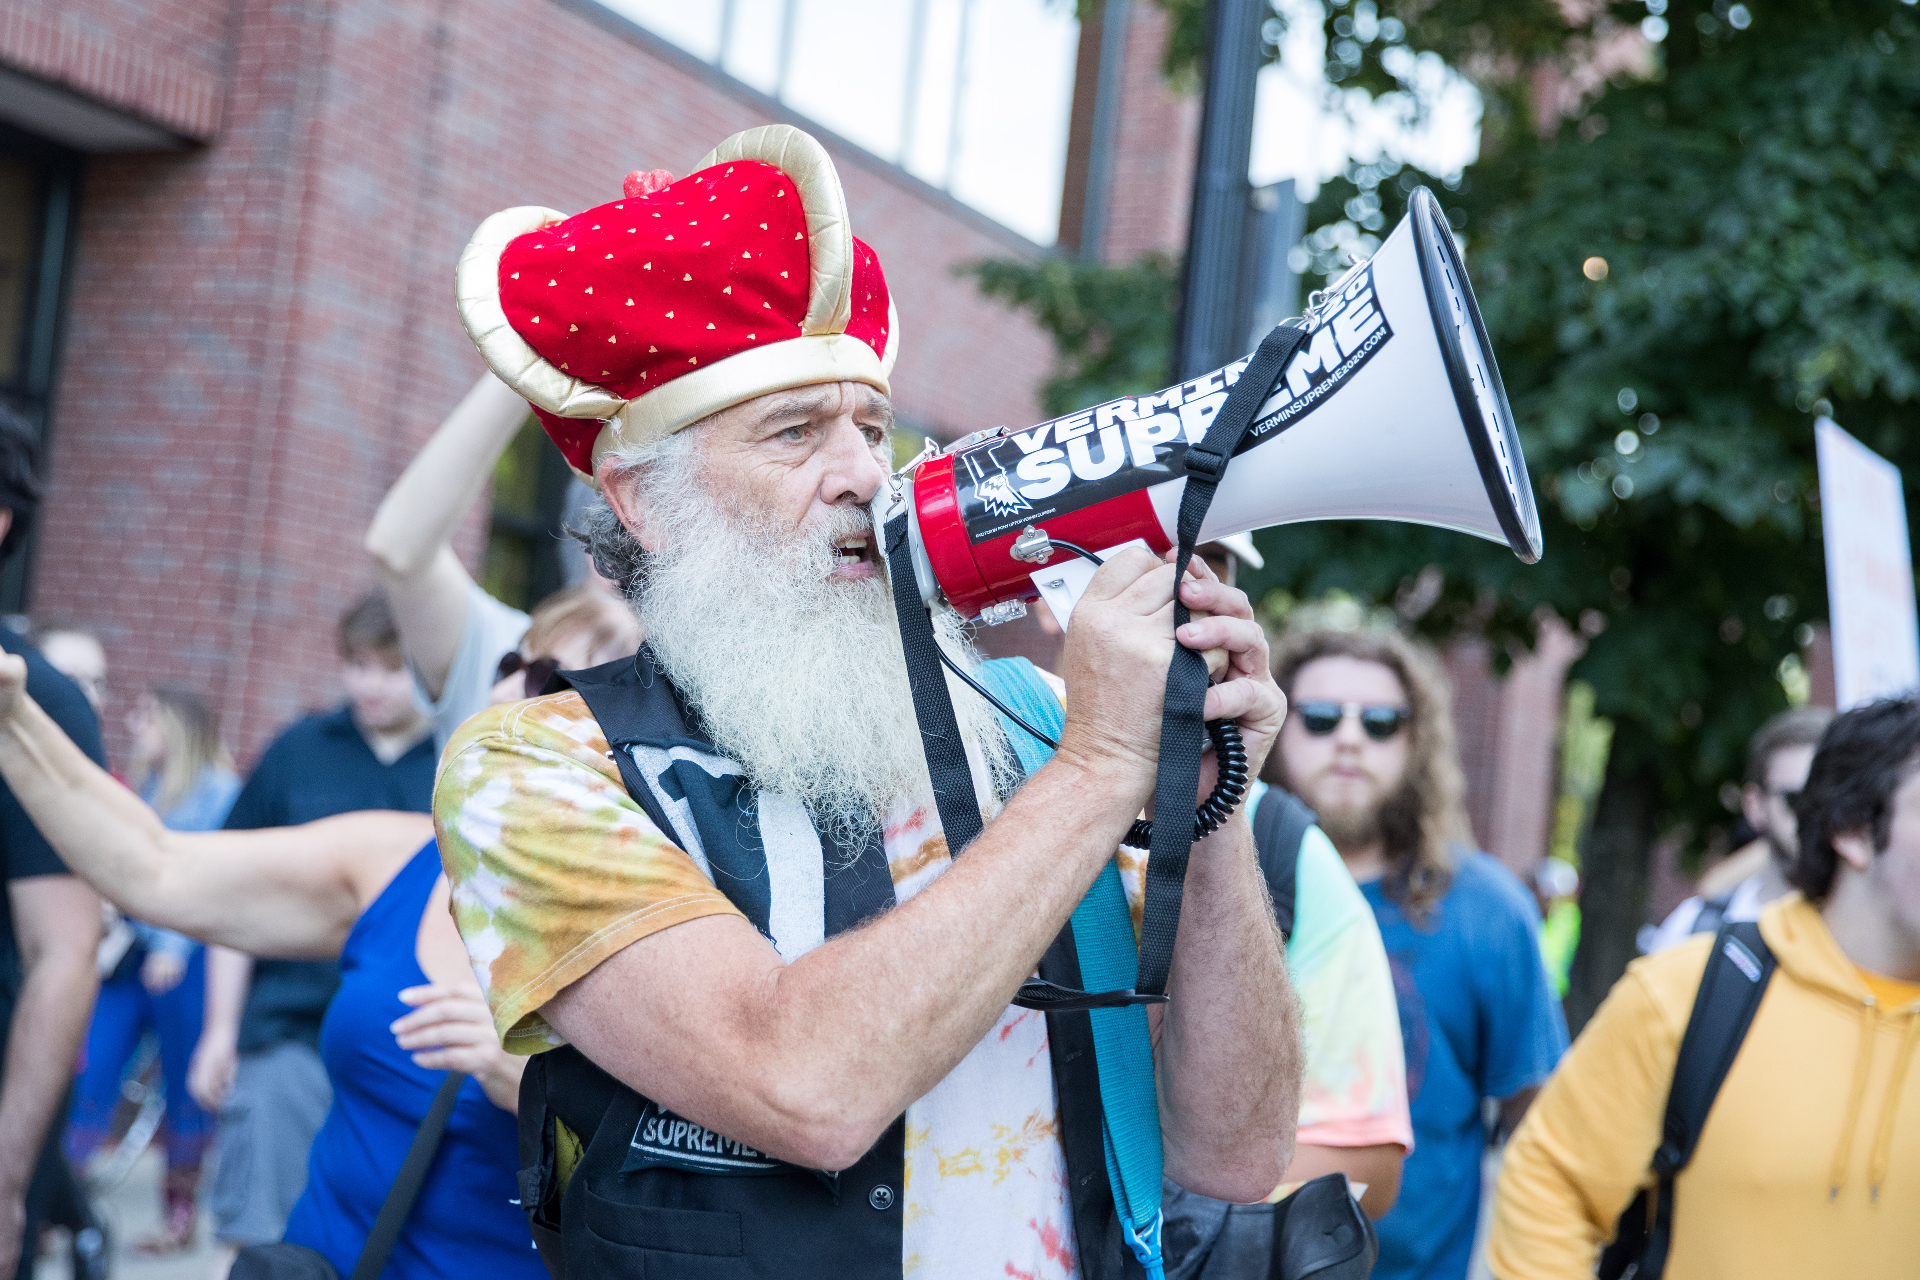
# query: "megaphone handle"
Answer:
x=1216 y=659
x=1228 y=790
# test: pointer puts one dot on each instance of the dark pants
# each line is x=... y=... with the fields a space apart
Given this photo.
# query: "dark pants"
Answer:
x=55 y=1198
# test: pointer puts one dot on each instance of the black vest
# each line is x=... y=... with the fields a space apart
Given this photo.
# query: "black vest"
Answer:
x=656 y=1195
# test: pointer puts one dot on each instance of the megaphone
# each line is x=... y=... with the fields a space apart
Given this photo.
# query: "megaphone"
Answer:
x=1391 y=408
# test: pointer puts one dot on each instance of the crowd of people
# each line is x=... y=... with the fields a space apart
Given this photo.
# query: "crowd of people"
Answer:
x=676 y=948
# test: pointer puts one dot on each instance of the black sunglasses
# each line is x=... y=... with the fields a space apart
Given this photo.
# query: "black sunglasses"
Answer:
x=1380 y=723
x=539 y=671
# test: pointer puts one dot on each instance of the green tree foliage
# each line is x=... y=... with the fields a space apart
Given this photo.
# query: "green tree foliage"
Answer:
x=1754 y=196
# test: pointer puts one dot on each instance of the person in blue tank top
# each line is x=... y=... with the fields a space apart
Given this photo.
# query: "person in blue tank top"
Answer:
x=363 y=887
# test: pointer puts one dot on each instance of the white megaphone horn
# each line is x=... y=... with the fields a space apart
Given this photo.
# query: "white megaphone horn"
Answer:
x=1391 y=409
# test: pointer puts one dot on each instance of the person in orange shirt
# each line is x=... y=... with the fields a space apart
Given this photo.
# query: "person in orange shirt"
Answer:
x=1801 y=1169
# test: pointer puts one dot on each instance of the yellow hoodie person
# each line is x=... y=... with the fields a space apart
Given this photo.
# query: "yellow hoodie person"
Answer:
x=1809 y=1163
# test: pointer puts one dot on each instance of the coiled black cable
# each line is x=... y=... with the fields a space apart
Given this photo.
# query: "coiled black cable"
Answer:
x=1229 y=751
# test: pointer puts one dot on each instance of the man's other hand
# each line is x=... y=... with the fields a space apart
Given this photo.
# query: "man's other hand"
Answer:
x=1245 y=693
x=1119 y=647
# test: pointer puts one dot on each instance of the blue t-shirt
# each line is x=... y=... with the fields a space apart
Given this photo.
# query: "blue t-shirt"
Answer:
x=316 y=768
x=1479 y=1021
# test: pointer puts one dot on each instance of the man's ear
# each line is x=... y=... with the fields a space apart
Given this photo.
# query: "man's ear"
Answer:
x=620 y=486
x=1855 y=848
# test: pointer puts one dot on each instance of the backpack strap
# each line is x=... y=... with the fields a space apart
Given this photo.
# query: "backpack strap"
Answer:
x=1713 y=913
x=1736 y=978
x=385 y=1232
x=1279 y=825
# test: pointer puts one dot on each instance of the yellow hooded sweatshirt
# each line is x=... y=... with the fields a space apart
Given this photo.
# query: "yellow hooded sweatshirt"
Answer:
x=1809 y=1164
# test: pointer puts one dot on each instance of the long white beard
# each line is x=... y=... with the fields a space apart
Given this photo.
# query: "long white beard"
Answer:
x=797 y=675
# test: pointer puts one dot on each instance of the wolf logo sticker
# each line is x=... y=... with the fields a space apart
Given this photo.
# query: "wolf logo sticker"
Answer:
x=991 y=486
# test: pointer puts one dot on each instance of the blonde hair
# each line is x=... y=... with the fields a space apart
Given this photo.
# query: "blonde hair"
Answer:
x=1421 y=822
x=192 y=737
x=584 y=609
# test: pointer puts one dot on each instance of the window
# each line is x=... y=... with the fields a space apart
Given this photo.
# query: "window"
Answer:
x=971 y=96
x=38 y=183
x=523 y=564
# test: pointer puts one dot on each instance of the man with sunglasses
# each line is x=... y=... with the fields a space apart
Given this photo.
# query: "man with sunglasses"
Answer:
x=1369 y=746
x=1778 y=758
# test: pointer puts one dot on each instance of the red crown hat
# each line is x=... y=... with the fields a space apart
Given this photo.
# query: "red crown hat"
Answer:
x=625 y=323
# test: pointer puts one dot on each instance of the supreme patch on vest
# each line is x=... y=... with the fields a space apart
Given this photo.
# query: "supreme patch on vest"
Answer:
x=663 y=1140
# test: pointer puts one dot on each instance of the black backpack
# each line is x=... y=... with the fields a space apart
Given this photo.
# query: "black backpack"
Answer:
x=1736 y=977
x=1318 y=1232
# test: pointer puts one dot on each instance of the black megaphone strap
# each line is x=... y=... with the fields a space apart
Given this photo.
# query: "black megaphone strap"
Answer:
x=1182 y=726
x=946 y=753
x=953 y=791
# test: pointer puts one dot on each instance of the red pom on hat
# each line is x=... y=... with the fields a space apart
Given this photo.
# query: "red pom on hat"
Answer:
x=645 y=183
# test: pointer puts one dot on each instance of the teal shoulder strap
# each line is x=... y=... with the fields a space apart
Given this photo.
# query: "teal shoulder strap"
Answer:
x=1103 y=936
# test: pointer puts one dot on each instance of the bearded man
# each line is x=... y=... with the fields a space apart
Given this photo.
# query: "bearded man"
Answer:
x=1369 y=746
x=709 y=887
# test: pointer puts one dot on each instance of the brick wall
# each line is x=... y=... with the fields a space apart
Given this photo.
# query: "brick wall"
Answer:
x=162 y=60
x=261 y=331
x=1156 y=145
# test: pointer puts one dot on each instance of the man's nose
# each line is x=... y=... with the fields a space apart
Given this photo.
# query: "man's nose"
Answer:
x=852 y=473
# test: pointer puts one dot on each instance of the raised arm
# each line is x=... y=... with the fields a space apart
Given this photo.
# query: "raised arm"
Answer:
x=412 y=532
x=280 y=891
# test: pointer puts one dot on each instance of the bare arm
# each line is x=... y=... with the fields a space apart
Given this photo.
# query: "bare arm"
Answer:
x=451 y=1028
x=811 y=1061
x=215 y=1057
x=1377 y=1166
x=412 y=532
x=282 y=891
x=1229 y=1060
x=57 y=925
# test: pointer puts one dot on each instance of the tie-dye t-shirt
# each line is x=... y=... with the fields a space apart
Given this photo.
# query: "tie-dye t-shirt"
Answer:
x=554 y=868
x=1355 y=1093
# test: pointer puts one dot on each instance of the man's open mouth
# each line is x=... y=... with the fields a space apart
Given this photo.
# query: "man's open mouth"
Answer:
x=857 y=549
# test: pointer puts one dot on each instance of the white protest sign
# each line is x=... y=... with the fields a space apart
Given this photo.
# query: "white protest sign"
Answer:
x=1876 y=634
